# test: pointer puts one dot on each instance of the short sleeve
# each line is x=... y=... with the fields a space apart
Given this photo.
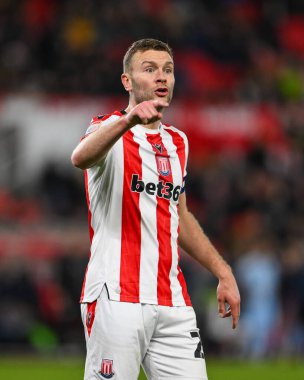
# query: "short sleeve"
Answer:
x=95 y=124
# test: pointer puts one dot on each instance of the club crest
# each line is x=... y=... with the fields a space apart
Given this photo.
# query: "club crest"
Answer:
x=106 y=371
x=163 y=165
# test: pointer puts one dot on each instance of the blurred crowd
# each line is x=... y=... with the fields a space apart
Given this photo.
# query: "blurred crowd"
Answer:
x=224 y=50
x=251 y=204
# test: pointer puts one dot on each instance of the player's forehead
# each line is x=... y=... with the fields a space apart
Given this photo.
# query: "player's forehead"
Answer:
x=157 y=56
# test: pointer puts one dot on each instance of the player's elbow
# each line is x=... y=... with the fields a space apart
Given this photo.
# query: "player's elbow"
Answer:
x=77 y=160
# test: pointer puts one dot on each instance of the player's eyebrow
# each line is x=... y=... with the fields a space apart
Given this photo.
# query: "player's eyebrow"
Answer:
x=155 y=64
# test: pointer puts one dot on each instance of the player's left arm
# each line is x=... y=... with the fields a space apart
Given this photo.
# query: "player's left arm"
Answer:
x=194 y=241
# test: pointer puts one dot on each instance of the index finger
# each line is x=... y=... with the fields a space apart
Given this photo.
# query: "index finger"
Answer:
x=160 y=103
x=235 y=313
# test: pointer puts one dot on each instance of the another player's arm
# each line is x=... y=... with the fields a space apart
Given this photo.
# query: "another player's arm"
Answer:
x=96 y=145
x=194 y=241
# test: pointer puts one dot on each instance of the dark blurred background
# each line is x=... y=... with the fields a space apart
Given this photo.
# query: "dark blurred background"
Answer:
x=239 y=97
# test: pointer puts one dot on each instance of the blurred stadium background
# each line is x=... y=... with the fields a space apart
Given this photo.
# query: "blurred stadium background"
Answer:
x=239 y=97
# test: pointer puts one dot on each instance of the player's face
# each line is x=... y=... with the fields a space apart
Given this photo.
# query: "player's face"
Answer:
x=152 y=76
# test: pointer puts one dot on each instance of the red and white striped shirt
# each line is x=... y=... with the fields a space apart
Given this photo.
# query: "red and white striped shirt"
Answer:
x=132 y=200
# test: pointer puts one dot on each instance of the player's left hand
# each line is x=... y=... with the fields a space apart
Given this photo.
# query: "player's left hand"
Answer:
x=229 y=300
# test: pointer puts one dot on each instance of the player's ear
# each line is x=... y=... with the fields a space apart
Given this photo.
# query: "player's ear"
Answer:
x=126 y=81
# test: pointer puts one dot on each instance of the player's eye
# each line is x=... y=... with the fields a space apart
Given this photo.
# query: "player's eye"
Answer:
x=168 y=70
x=149 y=69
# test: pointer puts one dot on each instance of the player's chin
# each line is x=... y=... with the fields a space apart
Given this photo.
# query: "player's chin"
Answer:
x=166 y=98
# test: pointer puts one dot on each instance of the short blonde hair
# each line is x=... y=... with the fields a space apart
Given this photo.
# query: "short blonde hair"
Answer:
x=144 y=45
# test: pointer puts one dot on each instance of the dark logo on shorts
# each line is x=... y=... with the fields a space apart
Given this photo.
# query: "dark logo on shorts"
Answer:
x=106 y=369
x=89 y=318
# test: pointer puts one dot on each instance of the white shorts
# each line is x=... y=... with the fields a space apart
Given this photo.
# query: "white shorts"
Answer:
x=121 y=336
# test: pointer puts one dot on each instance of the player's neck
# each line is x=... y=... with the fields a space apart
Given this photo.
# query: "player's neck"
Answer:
x=154 y=125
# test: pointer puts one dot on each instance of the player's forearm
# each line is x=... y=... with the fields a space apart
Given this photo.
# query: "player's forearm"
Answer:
x=95 y=146
x=194 y=241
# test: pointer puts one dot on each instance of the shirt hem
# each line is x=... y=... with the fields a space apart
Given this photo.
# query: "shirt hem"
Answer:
x=114 y=296
x=141 y=301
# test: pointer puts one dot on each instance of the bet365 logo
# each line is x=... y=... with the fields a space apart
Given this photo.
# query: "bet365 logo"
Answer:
x=161 y=189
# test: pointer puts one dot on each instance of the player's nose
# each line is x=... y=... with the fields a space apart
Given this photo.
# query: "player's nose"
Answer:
x=160 y=76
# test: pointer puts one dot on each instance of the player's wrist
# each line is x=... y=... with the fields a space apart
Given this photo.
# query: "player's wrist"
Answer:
x=126 y=123
x=225 y=273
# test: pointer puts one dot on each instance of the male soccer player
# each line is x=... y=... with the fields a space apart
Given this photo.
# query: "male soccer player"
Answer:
x=134 y=302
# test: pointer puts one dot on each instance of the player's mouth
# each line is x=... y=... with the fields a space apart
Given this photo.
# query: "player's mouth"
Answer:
x=162 y=91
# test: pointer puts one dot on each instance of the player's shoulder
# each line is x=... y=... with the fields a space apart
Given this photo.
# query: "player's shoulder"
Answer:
x=103 y=117
x=175 y=131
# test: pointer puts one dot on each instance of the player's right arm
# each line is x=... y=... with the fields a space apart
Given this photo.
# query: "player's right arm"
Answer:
x=96 y=145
